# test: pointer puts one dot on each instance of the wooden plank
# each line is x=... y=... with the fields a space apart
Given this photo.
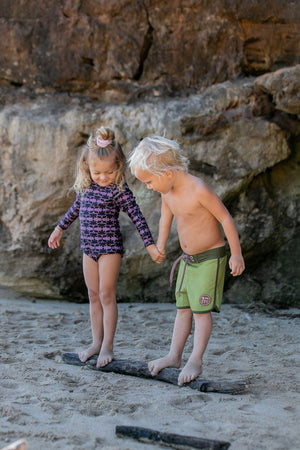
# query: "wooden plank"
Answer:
x=176 y=441
x=168 y=375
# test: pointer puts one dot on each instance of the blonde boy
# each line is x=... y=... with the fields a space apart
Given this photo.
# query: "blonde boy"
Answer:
x=159 y=163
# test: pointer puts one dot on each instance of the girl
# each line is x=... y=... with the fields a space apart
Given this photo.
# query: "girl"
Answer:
x=101 y=192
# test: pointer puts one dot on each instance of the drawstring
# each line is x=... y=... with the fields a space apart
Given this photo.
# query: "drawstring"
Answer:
x=212 y=253
x=188 y=259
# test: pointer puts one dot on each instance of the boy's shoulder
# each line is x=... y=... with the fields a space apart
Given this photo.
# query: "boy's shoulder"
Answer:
x=194 y=181
x=196 y=187
x=188 y=185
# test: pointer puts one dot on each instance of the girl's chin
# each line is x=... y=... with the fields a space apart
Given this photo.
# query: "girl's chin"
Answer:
x=103 y=184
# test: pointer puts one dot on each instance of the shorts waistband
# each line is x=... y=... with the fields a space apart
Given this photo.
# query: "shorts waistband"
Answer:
x=212 y=253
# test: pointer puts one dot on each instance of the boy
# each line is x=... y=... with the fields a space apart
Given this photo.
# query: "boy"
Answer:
x=159 y=163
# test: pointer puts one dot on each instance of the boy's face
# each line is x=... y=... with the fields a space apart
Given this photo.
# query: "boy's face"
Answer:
x=160 y=183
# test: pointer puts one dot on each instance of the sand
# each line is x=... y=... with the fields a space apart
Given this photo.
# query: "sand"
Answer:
x=58 y=406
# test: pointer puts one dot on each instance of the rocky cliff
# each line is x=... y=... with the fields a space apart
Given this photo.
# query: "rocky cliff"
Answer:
x=219 y=77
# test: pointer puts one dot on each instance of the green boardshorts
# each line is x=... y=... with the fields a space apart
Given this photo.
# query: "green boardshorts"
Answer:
x=200 y=281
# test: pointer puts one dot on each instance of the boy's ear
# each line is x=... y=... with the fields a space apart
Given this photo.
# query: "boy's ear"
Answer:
x=169 y=173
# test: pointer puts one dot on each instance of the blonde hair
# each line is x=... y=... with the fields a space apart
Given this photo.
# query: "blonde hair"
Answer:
x=100 y=144
x=155 y=154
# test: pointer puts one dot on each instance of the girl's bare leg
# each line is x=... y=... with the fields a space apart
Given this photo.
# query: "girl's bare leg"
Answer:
x=109 y=267
x=91 y=277
x=193 y=368
x=182 y=328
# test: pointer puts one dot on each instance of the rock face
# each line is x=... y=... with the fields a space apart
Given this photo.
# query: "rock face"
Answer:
x=124 y=49
x=233 y=106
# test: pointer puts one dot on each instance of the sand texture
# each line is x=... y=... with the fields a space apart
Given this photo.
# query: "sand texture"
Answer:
x=54 y=405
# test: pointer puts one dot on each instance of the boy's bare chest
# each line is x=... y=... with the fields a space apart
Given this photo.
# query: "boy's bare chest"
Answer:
x=185 y=206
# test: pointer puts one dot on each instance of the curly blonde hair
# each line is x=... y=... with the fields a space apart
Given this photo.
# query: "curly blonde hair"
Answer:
x=100 y=144
x=155 y=154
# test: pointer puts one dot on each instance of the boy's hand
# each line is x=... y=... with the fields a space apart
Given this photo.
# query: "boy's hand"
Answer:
x=237 y=265
x=155 y=254
x=161 y=250
x=55 y=237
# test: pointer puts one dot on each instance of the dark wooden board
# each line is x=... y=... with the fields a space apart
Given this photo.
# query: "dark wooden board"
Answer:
x=168 y=375
x=176 y=441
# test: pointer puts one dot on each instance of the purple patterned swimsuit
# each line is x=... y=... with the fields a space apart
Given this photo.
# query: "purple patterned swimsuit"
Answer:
x=98 y=210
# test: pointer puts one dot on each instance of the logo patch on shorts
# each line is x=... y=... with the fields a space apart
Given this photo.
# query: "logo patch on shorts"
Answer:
x=204 y=300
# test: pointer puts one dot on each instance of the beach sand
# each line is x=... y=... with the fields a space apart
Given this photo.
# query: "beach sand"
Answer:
x=54 y=405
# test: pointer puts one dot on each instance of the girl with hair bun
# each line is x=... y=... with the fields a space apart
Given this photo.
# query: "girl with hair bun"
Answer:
x=101 y=193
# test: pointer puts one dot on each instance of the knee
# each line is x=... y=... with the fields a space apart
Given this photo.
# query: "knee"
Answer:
x=204 y=318
x=107 y=296
x=185 y=312
x=93 y=296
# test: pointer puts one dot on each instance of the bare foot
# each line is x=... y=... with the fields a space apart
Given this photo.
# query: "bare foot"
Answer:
x=167 y=361
x=104 y=358
x=191 y=370
x=86 y=354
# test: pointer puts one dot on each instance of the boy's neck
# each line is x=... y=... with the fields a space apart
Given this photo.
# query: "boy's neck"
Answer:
x=179 y=177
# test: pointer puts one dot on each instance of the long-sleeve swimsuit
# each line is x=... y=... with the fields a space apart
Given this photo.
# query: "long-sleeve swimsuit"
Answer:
x=98 y=209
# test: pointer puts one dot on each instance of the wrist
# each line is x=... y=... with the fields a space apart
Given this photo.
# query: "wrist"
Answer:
x=57 y=228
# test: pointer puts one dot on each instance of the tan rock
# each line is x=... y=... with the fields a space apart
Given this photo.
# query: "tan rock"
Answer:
x=236 y=152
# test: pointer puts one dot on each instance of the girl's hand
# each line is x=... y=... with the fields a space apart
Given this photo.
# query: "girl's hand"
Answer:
x=155 y=254
x=55 y=237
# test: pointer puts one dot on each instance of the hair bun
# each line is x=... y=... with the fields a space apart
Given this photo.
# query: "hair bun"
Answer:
x=103 y=142
x=104 y=137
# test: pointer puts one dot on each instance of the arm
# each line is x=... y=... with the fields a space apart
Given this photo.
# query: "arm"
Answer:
x=67 y=220
x=71 y=214
x=236 y=261
x=214 y=205
x=165 y=223
x=127 y=204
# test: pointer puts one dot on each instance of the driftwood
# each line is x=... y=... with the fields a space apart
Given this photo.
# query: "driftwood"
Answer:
x=168 y=375
x=21 y=444
x=176 y=441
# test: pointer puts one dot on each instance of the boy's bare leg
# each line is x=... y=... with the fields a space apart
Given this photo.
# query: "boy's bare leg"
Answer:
x=193 y=368
x=109 y=267
x=182 y=328
x=91 y=277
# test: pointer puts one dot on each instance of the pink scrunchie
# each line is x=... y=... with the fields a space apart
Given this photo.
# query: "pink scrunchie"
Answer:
x=103 y=142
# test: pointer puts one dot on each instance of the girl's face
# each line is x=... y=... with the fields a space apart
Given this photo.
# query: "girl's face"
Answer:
x=103 y=171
